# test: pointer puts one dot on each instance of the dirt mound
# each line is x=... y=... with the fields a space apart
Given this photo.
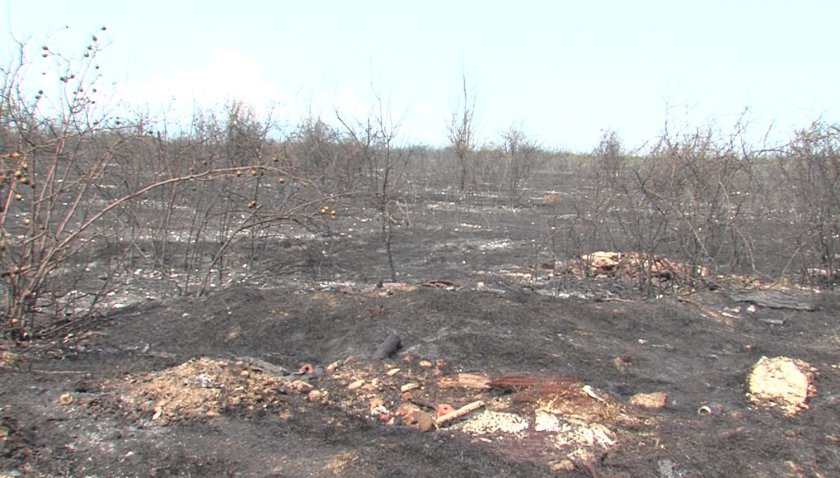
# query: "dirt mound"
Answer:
x=199 y=388
x=536 y=418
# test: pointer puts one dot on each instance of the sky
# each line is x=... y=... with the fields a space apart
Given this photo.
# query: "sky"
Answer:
x=562 y=72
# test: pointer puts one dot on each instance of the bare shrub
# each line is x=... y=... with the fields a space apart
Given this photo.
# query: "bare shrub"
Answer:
x=691 y=197
x=811 y=181
x=706 y=184
x=520 y=158
x=593 y=195
x=460 y=134
x=80 y=189
x=48 y=182
x=372 y=142
x=315 y=149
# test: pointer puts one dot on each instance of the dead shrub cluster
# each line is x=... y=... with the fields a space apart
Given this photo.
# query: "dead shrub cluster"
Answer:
x=90 y=200
x=714 y=203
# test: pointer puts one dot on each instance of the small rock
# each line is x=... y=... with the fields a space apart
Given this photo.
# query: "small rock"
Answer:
x=375 y=403
x=653 y=400
x=244 y=374
x=443 y=408
x=624 y=362
x=392 y=372
x=211 y=414
x=420 y=420
x=562 y=465
x=331 y=367
x=65 y=398
x=301 y=386
x=315 y=396
x=409 y=387
x=425 y=363
x=356 y=385
x=406 y=408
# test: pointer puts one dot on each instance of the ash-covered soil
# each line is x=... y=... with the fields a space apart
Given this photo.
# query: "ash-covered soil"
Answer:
x=271 y=374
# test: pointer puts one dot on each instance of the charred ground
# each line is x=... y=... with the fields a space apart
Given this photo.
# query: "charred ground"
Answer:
x=89 y=401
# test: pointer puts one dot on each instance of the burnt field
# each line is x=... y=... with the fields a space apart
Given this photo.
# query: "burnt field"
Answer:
x=488 y=308
x=236 y=298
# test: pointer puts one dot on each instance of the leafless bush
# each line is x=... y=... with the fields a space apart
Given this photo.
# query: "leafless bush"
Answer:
x=81 y=189
x=592 y=197
x=372 y=142
x=810 y=171
x=706 y=185
x=691 y=196
x=460 y=133
x=315 y=149
x=520 y=158
x=48 y=181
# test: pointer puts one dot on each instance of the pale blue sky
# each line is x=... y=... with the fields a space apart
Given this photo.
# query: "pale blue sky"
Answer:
x=562 y=71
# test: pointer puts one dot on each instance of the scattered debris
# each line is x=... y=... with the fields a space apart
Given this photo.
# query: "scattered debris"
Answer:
x=775 y=299
x=555 y=414
x=315 y=396
x=632 y=265
x=665 y=467
x=546 y=422
x=8 y=359
x=654 y=400
x=589 y=391
x=781 y=382
x=560 y=395
x=713 y=408
x=551 y=198
x=409 y=387
x=461 y=412
x=199 y=388
x=416 y=418
x=624 y=362
x=301 y=386
x=396 y=286
x=387 y=348
x=489 y=422
x=474 y=381
x=441 y=284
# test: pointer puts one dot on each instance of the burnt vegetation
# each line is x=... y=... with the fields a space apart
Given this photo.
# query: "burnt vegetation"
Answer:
x=90 y=199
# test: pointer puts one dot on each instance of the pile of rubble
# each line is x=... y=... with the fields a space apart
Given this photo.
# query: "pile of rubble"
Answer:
x=559 y=421
x=631 y=266
x=526 y=416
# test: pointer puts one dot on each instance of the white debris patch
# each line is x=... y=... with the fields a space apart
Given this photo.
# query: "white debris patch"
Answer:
x=781 y=382
x=578 y=435
x=489 y=422
x=496 y=245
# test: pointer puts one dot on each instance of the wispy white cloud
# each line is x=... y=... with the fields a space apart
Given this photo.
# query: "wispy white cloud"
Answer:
x=227 y=75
